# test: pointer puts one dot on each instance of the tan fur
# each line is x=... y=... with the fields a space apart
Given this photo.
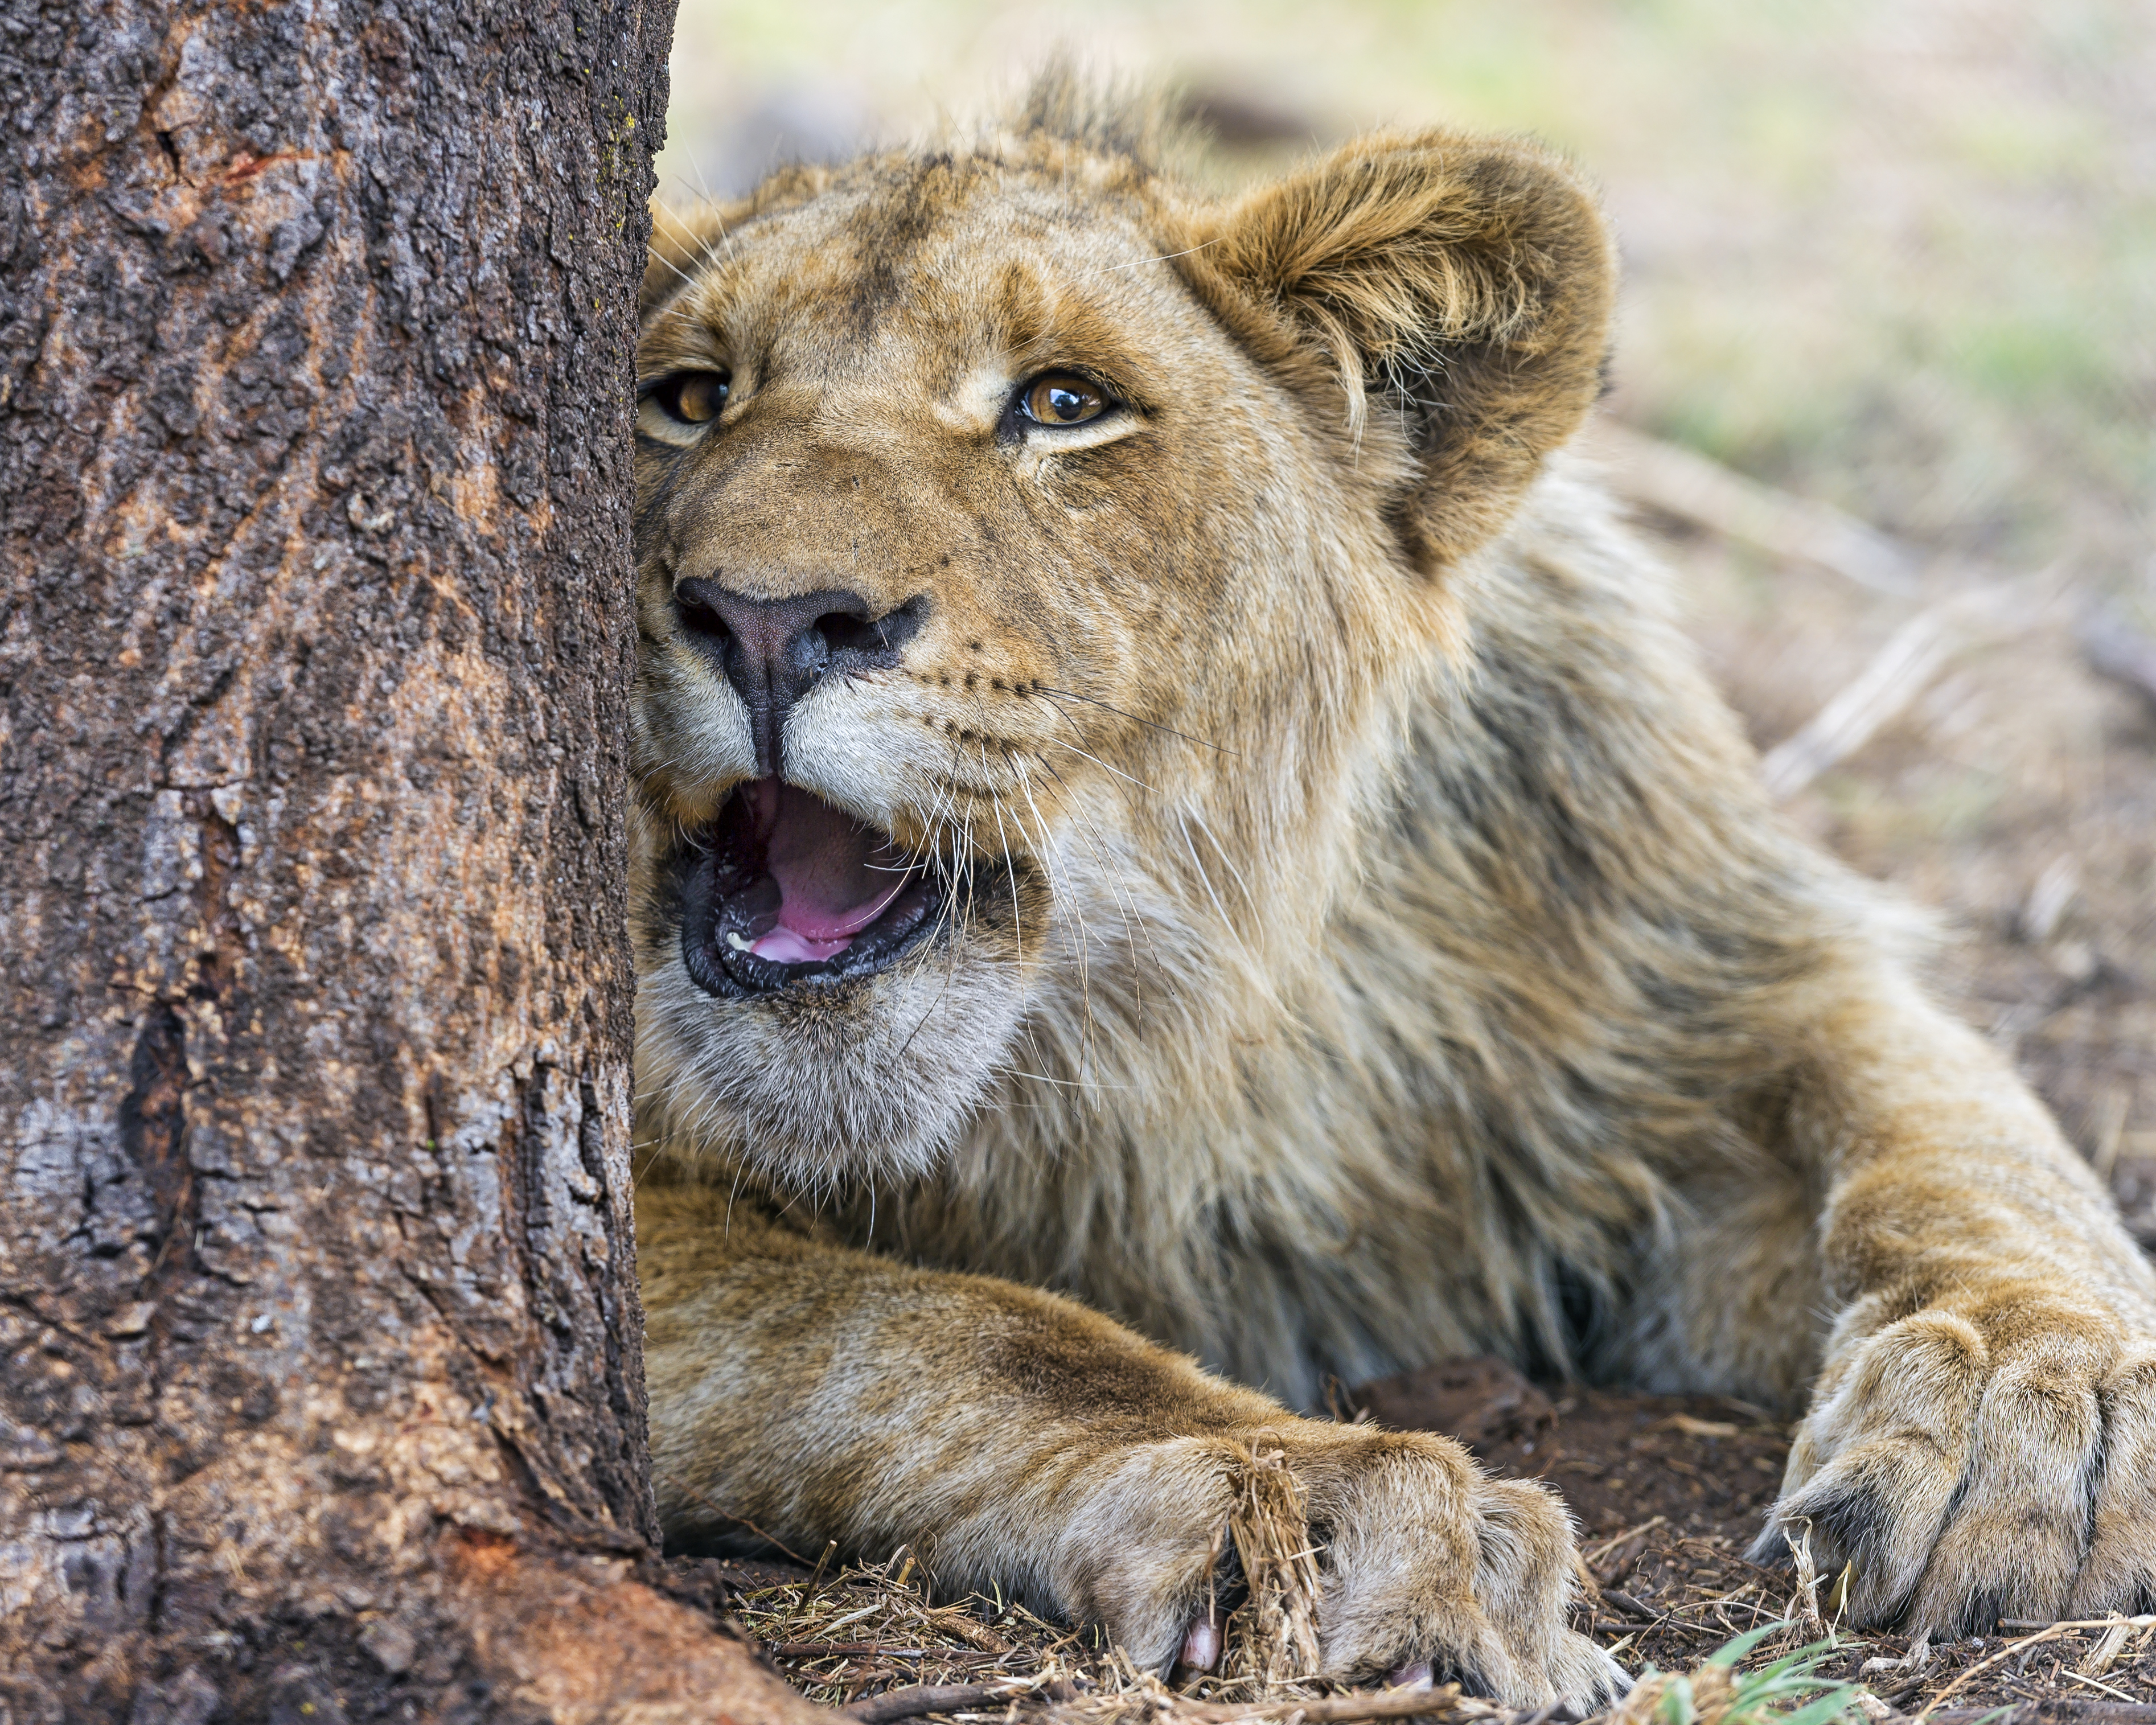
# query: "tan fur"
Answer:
x=1382 y=949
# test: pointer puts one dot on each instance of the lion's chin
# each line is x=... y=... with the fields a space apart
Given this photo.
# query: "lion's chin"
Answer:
x=863 y=1062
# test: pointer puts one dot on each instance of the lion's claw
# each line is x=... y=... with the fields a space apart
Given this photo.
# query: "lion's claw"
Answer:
x=1201 y=1646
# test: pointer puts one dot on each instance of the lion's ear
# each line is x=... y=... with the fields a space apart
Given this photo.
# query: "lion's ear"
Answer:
x=1459 y=287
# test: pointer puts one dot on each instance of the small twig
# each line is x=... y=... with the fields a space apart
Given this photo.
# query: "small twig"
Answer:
x=2105 y=1654
x=2005 y=1653
x=918 y=1698
x=1691 y=1426
x=1677 y=1625
x=2081 y=1677
x=1900 y=671
x=1596 y=1553
x=957 y=1620
x=1684 y=483
x=1404 y=1703
x=1702 y=1604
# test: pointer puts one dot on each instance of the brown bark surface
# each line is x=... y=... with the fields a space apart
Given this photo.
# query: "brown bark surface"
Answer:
x=320 y=1393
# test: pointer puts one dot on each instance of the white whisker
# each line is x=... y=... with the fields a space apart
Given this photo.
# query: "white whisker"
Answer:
x=1140 y=263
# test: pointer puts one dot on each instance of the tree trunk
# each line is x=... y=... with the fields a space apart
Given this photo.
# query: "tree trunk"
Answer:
x=322 y=1394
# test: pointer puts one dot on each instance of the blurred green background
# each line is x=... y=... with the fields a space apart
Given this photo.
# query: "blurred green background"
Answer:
x=1900 y=255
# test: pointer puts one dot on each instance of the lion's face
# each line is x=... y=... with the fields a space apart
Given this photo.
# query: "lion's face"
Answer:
x=1014 y=580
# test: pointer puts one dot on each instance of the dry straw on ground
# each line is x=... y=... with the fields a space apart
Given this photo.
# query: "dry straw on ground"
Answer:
x=1271 y=1639
x=1715 y=1639
x=872 y=1642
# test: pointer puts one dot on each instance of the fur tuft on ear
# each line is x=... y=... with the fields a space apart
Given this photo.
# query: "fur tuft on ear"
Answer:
x=1465 y=283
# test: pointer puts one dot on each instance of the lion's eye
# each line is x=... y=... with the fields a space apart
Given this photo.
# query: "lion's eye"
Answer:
x=692 y=397
x=1061 y=398
x=675 y=408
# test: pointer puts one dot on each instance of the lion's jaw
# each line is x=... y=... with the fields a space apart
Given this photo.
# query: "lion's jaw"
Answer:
x=1105 y=706
x=826 y=981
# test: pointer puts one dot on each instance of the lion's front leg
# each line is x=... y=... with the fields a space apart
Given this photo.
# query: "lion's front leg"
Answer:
x=1982 y=1440
x=1014 y=1438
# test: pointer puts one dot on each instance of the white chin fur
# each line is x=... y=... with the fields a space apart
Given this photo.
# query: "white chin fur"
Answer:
x=809 y=1100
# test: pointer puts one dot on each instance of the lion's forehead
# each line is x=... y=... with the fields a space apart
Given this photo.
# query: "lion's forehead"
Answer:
x=936 y=268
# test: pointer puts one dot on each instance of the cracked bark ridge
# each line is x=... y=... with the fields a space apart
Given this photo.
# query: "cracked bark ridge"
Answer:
x=321 y=1389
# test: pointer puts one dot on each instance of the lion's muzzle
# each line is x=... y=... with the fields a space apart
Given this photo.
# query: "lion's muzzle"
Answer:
x=773 y=651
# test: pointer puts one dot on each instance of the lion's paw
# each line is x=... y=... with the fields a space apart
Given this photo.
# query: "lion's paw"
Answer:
x=1996 y=1460
x=1425 y=1564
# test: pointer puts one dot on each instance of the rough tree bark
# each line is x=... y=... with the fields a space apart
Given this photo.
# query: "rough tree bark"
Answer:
x=320 y=1393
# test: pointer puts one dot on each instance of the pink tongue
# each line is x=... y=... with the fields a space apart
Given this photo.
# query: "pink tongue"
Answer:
x=835 y=876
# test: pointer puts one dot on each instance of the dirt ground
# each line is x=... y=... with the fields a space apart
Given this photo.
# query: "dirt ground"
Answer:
x=1670 y=1492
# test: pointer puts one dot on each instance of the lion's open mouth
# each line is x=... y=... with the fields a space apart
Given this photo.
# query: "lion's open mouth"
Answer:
x=784 y=888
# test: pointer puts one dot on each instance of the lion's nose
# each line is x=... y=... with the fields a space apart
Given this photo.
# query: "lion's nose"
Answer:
x=771 y=650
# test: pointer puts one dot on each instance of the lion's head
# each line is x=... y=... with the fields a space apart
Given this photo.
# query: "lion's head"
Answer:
x=1034 y=558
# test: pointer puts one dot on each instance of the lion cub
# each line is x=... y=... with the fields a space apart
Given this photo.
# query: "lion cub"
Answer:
x=1174 y=822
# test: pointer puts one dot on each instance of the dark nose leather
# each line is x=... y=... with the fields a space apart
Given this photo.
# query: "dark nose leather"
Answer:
x=774 y=650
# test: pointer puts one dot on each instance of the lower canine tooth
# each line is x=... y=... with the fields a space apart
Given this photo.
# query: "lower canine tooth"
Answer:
x=736 y=942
